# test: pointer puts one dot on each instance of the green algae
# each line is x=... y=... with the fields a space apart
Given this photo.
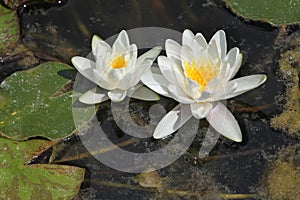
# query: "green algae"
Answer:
x=283 y=179
x=289 y=120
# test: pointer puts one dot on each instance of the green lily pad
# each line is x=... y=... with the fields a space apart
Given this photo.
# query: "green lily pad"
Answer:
x=275 y=12
x=14 y=3
x=9 y=28
x=38 y=181
x=17 y=3
x=35 y=103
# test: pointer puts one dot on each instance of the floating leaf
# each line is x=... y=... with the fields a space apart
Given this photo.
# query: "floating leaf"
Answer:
x=35 y=103
x=14 y=3
x=17 y=3
x=37 y=181
x=9 y=28
x=276 y=12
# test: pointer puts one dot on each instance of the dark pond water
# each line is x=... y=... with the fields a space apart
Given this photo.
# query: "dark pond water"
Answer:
x=65 y=29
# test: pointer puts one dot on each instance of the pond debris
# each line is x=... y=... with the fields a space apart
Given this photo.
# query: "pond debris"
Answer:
x=282 y=181
x=22 y=55
x=150 y=180
x=289 y=119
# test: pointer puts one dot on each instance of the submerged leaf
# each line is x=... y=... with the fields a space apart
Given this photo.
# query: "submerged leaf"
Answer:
x=34 y=103
x=9 y=28
x=275 y=12
x=38 y=181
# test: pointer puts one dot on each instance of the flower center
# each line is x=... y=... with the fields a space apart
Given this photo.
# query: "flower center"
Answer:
x=118 y=62
x=202 y=74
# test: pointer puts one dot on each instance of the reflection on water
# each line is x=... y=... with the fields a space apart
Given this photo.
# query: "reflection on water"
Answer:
x=61 y=32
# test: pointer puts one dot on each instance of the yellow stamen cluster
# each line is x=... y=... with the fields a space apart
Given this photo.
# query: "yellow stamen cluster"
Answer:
x=118 y=62
x=202 y=74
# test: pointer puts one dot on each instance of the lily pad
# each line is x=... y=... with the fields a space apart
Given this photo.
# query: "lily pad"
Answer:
x=17 y=3
x=9 y=28
x=35 y=103
x=38 y=181
x=275 y=12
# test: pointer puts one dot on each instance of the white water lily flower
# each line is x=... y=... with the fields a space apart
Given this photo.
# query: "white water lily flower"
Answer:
x=198 y=75
x=116 y=70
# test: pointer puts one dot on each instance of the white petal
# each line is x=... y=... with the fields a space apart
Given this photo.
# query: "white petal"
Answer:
x=114 y=75
x=130 y=58
x=181 y=83
x=201 y=40
x=234 y=59
x=170 y=123
x=222 y=120
x=223 y=91
x=193 y=88
x=209 y=142
x=144 y=93
x=213 y=51
x=205 y=96
x=117 y=95
x=244 y=84
x=186 y=55
x=220 y=39
x=198 y=52
x=187 y=37
x=177 y=94
x=151 y=55
x=85 y=67
x=99 y=47
x=95 y=40
x=224 y=70
x=200 y=110
x=121 y=46
x=122 y=39
x=201 y=57
x=93 y=96
x=168 y=68
x=173 y=50
x=156 y=81
x=106 y=81
x=235 y=68
x=132 y=78
x=102 y=57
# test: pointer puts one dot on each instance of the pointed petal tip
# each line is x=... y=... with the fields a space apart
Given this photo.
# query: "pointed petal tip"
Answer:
x=160 y=135
x=96 y=38
x=145 y=94
x=94 y=96
x=157 y=136
x=158 y=47
x=154 y=52
x=222 y=120
x=172 y=121
x=168 y=40
x=221 y=31
x=265 y=78
x=150 y=55
x=123 y=31
x=80 y=62
x=83 y=99
x=75 y=59
x=117 y=95
x=188 y=31
x=237 y=137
